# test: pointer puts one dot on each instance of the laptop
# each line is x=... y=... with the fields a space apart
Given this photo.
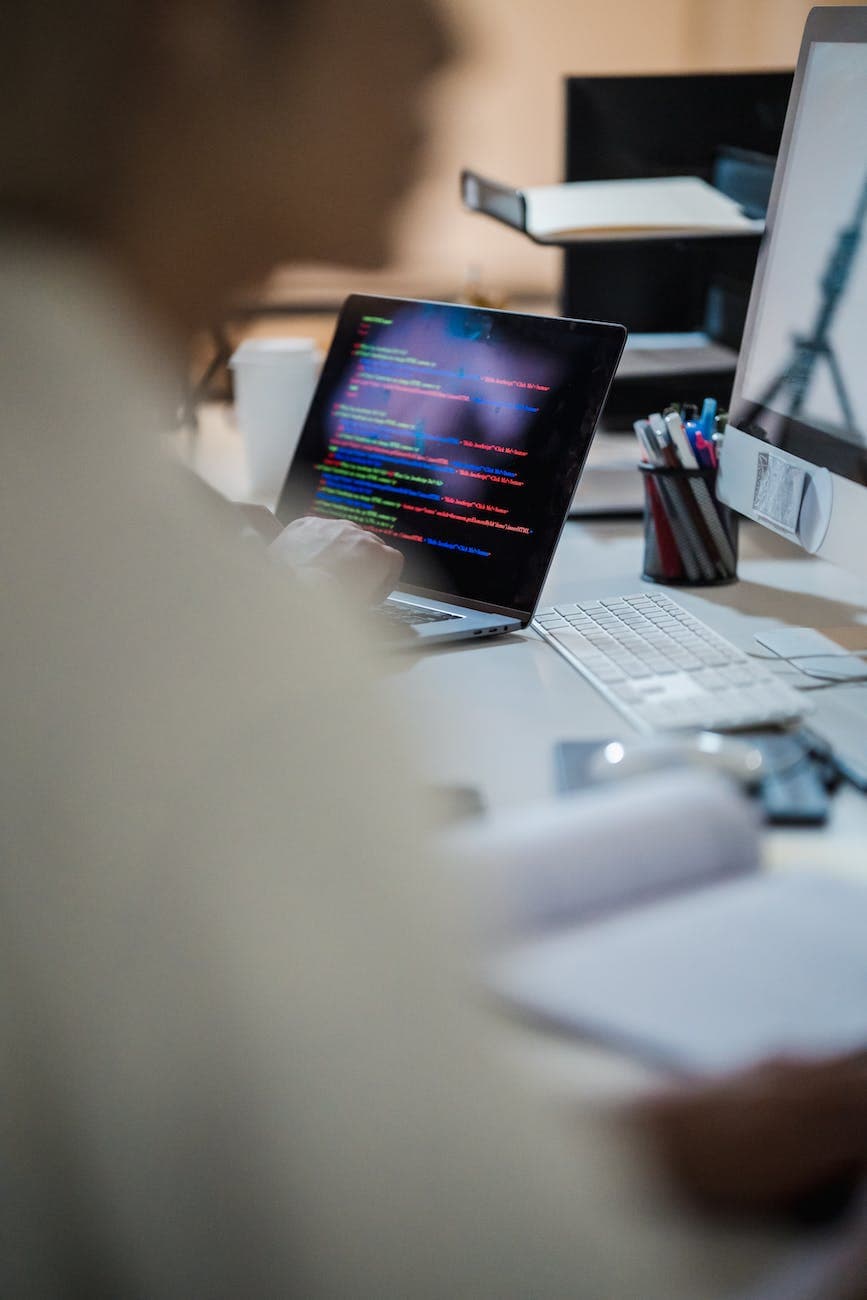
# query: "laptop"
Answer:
x=458 y=435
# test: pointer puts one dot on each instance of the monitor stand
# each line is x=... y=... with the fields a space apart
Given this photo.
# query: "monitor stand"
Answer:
x=786 y=494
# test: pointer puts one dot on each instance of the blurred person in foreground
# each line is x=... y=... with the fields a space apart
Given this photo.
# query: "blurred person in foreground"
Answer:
x=238 y=1055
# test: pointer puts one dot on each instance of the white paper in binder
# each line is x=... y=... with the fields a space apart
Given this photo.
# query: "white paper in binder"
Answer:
x=666 y=207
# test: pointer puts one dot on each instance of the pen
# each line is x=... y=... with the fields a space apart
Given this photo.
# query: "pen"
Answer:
x=693 y=431
x=708 y=416
x=718 y=437
x=683 y=499
x=672 y=505
x=713 y=565
x=668 y=547
x=713 y=531
x=706 y=451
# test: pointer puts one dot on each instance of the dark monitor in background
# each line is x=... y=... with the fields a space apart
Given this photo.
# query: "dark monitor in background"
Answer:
x=723 y=127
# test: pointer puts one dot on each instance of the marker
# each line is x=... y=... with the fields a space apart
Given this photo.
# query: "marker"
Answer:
x=688 y=542
x=717 y=543
x=693 y=430
x=649 y=445
x=706 y=451
x=675 y=554
x=682 y=444
x=683 y=493
x=708 y=416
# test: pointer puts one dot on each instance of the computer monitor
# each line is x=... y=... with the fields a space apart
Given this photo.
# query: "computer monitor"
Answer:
x=795 y=453
x=724 y=127
x=691 y=294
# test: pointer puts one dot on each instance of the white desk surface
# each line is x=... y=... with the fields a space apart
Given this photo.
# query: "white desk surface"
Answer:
x=488 y=714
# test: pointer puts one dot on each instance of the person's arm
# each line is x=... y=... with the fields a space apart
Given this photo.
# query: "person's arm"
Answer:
x=767 y=1140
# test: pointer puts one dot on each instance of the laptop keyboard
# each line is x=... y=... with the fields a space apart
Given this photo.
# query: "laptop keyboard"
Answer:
x=397 y=612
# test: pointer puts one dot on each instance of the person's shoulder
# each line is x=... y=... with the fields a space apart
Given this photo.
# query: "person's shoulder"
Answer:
x=120 y=566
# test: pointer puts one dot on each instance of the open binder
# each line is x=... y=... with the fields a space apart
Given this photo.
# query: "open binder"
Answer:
x=667 y=207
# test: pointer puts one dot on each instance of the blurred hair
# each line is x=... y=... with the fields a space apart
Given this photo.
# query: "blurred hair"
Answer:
x=76 y=75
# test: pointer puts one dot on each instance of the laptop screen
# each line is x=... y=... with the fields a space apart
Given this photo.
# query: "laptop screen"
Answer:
x=458 y=435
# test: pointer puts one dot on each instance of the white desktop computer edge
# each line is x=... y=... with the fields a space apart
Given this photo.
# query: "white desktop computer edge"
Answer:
x=794 y=456
x=795 y=452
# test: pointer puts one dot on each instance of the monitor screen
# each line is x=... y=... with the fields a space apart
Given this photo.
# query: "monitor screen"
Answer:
x=802 y=378
x=458 y=435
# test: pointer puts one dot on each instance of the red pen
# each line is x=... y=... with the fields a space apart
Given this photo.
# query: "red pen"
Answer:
x=706 y=449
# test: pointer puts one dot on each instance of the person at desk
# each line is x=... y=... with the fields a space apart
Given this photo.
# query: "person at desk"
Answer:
x=238 y=1055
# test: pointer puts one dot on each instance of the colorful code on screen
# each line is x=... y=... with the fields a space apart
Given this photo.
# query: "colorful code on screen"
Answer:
x=426 y=435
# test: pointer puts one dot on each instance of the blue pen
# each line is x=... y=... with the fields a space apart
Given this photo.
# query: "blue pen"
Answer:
x=691 y=428
x=708 y=416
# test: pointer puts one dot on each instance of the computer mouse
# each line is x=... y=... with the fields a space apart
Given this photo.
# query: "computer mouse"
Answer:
x=733 y=757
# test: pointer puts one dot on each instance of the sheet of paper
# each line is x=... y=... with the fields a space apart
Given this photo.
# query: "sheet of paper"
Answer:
x=713 y=980
x=631 y=208
x=778 y=492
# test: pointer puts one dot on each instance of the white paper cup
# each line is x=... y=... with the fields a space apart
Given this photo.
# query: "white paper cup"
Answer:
x=274 y=381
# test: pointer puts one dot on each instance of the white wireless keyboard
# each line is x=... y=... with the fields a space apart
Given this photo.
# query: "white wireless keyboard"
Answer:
x=664 y=669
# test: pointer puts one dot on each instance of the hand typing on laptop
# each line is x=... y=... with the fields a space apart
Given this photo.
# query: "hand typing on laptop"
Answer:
x=365 y=568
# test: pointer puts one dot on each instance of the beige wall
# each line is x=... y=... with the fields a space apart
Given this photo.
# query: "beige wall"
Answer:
x=500 y=111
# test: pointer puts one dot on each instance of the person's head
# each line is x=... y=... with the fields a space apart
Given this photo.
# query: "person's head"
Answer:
x=198 y=142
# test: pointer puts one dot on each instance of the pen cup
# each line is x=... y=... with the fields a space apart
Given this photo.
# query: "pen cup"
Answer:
x=690 y=538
